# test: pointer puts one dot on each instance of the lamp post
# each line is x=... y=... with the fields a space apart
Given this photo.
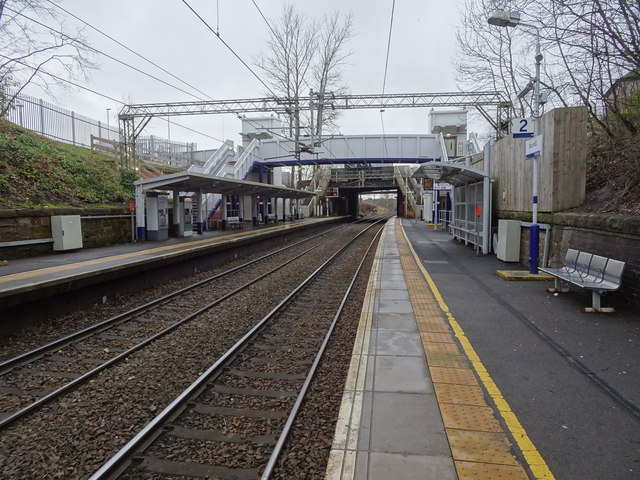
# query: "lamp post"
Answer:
x=502 y=18
x=108 y=128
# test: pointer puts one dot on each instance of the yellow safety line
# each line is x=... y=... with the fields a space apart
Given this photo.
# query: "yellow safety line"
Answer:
x=166 y=248
x=531 y=455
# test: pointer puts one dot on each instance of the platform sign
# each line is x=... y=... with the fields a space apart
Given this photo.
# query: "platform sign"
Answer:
x=522 y=127
x=533 y=147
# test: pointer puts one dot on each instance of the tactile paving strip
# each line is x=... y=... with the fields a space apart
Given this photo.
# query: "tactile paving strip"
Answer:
x=460 y=394
x=455 y=376
x=480 y=448
x=487 y=471
x=469 y=417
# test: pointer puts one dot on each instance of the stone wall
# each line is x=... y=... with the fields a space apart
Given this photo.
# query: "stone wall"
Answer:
x=35 y=224
x=613 y=236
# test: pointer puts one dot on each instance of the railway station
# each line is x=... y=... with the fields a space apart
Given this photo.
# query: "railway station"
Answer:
x=451 y=372
x=260 y=327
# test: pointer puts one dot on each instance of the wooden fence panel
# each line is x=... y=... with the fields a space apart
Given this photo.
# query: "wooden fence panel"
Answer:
x=561 y=170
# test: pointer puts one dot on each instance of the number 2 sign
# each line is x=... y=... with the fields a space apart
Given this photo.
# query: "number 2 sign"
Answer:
x=522 y=127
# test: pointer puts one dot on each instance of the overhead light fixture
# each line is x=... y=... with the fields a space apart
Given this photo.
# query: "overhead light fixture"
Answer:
x=502 y=18
x=526 y=90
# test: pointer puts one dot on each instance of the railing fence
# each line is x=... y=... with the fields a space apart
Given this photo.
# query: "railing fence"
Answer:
x=67 y=126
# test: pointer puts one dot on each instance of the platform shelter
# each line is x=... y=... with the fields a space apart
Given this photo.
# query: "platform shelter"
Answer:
x=251 y=196
x=470 y=214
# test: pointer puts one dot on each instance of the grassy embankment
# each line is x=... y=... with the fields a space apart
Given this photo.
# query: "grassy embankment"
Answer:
x=36 y=172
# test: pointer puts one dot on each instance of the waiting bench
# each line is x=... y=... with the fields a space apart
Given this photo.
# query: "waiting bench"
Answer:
x=591 y=272
x=271 y=218
x=234 y=222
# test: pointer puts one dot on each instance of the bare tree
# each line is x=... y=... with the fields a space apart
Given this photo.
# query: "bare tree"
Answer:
x=35 y=52
x=306 y=55
x=587 y=46
x=332 y=55
x=292 y=44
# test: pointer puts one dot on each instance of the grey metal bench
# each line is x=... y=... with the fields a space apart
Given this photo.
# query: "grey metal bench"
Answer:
x=591 y=272
x=234 y=222
x=271 y=218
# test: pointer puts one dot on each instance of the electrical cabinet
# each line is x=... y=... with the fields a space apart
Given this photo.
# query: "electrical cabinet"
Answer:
x=508 y=240
x=66 y=232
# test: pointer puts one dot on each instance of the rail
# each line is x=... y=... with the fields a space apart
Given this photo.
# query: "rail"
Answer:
x=20 y=361
x=142 y=440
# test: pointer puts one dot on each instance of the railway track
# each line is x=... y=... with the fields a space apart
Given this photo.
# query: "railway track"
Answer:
x=233 y=421
x=32 y=379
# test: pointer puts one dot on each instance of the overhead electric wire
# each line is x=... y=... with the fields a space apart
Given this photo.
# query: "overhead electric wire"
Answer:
x=89 y=47
x=384 y=80
x=386 y=63
x=229 y=47
x=274 y=33
x=130 y=50
x=40 y=70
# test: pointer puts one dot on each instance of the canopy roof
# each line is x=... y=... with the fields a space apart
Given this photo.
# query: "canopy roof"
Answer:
x=198 y=182
x=454 y=173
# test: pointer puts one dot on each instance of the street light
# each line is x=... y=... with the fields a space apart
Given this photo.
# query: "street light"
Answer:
x=501 y=18
x=108 y=130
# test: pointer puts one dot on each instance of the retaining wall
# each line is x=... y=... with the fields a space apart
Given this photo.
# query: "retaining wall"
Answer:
x=35 y=224
x=613 y=236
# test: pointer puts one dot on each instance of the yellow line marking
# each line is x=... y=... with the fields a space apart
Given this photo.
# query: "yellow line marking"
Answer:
x=97 y=261
x=531 y=455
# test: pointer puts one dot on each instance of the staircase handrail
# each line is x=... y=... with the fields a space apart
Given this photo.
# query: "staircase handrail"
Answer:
x=216 y=162
x=245 y=162
x=443 y=147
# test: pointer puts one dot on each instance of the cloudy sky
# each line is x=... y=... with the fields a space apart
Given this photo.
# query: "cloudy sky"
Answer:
x=167 y=32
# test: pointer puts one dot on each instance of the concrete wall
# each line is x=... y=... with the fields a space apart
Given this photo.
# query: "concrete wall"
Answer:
x=613 y=236
x=34 y=224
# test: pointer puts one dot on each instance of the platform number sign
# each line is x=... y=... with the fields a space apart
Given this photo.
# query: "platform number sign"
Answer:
x=522 y=127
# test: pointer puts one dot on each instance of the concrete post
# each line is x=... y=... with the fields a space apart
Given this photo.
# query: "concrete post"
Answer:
x=176 y=213
x=199 y=213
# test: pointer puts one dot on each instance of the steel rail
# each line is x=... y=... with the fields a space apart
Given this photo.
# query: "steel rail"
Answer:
x=91 y=373
x=120 y=461
x=275 y=455
x=35 y=354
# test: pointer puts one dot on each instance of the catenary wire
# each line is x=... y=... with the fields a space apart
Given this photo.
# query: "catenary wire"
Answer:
x=229 y=47
x=120 y=102
x=275 y=35
x=129 y=49
x=384 y=80
x=89 y=47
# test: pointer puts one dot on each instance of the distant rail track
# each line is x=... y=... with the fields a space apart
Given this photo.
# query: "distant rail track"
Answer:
x=272 y=366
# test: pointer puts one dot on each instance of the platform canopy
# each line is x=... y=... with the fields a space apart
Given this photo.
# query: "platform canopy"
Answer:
x=469 y=218
x=198 y=182
x=455 y=174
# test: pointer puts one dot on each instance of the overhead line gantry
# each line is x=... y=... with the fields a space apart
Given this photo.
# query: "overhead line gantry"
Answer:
x=134 y=118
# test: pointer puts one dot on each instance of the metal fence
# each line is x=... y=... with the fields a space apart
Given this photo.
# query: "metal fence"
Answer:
x=57 y=123
x=69 y=127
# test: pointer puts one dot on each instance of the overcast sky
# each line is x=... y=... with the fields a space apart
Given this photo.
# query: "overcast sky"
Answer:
x=166 y=32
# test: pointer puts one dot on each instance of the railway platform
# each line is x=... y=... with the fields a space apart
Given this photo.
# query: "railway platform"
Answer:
x=30 y=279
x=458 y=373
